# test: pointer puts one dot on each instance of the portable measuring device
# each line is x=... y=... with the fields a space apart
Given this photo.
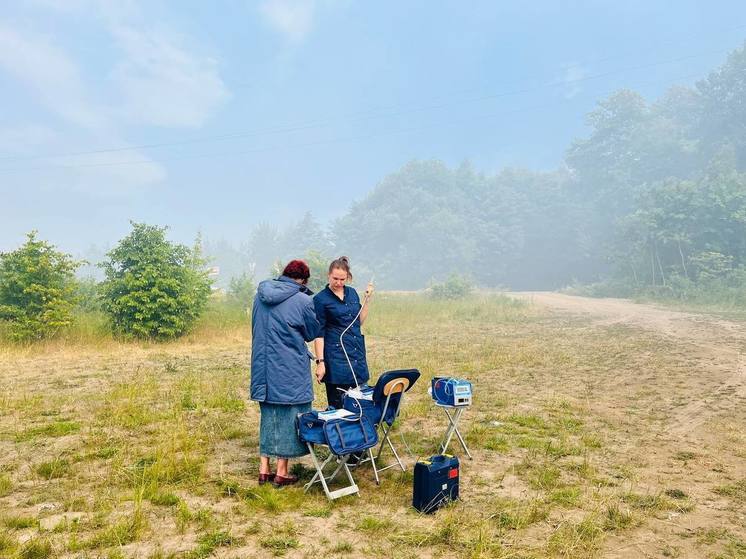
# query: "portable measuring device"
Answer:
x=448 y=391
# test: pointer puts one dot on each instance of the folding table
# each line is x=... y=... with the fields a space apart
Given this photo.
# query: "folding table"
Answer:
x=454 y=414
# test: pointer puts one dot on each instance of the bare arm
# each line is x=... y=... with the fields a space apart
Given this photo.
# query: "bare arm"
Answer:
x=364 y=310
x=318 y=348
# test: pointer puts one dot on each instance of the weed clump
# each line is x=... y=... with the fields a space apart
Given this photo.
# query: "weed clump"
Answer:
x=19 y=522
x=279 y=545
x=53 y=469
x=210 y=542
x=736 y=490
x=6 y=485
x=36 y=549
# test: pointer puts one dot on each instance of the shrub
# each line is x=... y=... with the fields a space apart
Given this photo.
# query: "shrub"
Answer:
x=37 y=289
x=154 y=288
x=318 y=264
x=241 y=290
x=455 y=287
x=88 y=295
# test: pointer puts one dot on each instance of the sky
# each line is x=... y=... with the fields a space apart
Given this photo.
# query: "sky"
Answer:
x=213 y=116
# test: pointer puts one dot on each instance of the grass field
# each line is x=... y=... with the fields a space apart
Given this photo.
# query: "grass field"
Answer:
x=112 y=449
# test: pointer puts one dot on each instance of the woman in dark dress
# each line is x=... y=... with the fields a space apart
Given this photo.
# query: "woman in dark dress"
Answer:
x=337 y=307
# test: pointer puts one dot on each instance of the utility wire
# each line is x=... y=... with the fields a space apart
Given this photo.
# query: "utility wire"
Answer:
x=340 y=140
x=374 y=114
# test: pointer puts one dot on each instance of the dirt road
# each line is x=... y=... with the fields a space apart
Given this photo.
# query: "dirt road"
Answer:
x=720 y=342
x=692 y=385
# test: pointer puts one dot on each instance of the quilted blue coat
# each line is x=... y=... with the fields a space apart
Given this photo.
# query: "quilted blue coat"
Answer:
x=282 y=320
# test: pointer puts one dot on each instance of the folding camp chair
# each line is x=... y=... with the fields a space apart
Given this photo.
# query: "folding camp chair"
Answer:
x=343 y=433
x=325 y=480
x=382 y=409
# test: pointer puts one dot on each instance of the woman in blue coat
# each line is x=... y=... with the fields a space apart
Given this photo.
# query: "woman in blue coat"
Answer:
x=282 y=321
x=337 y=305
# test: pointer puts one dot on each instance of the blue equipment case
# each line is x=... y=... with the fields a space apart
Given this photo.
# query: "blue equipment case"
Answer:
x=448 y=391
x=436 y=482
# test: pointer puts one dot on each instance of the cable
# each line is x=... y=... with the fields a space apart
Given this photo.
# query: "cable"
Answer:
x=341 y=342
x=327 y=120
x=6 y=171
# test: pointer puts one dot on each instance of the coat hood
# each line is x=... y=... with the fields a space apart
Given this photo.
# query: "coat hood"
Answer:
x=275 y=291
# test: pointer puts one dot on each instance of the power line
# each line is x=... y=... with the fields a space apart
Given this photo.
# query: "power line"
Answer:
x=373 y=113
x=316 y=143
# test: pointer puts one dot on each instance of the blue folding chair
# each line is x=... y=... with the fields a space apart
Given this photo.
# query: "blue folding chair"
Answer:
x=381 y=405
x=344 y=433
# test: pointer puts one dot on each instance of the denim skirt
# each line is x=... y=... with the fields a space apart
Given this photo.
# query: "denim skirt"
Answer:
x=277 y=434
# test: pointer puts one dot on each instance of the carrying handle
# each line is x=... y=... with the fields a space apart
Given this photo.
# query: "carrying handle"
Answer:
x=339 y=432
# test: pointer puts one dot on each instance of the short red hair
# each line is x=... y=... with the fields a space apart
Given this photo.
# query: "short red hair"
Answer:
x=297 y=269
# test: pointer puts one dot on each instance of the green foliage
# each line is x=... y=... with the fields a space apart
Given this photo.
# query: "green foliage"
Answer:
x=208 y=543
x=455 y=287
x=36 y=549
x=653 y=199
x=154 y=288
x=667 y=184
x=6 y=485
x=319 y=266
x=37 y=289
x=88 y=292
x=427 y=217
x=268 y=246
x=241 y=291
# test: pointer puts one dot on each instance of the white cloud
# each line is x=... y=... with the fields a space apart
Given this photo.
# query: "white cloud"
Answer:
x=162 y=83
x=572 y=75
x=50 y=74
x=156 y=78
x=24 y=139
x=292 y=18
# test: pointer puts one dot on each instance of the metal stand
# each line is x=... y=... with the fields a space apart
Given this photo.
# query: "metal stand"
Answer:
x=319 y=476
x=454 y=415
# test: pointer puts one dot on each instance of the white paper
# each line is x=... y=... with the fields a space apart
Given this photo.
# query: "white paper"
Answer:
x=360 y=394
x=335 y=414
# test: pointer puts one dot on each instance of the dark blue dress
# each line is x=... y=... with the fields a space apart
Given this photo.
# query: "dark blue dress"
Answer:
x=334 y=315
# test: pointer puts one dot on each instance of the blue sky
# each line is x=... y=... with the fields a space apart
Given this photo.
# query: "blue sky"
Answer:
x=213 y=116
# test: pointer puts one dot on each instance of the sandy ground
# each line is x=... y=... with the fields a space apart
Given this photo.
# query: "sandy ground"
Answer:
x=721 y=341
x=702 y=413
x=673 y=411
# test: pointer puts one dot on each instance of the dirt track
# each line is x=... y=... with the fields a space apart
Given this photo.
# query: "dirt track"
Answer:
x=699 y=407
x=721 y=387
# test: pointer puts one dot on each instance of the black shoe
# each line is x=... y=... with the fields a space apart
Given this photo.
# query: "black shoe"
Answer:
x=355 y=459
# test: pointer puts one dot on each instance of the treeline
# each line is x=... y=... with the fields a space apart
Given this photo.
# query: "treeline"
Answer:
x=654 y=198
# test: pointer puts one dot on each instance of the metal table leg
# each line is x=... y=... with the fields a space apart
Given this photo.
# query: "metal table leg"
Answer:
x=453 y=428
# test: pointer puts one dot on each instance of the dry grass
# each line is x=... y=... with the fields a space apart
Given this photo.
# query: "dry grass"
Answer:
x=113 y=449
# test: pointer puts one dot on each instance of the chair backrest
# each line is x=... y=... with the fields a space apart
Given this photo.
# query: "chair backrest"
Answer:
x=396 y=385
x=389 y=389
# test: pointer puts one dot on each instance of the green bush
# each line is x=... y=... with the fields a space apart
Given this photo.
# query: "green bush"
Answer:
x=154 y=288
x=241 y=290
x=318 y=264
x=88 y=295
x=37 y=289
x=455 y=287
